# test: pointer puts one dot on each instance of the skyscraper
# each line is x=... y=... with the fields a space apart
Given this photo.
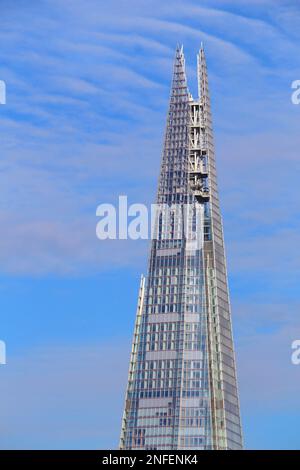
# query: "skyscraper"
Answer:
x=182 y=389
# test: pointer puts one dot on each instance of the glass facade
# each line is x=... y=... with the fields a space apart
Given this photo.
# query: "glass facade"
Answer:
x=182 y=391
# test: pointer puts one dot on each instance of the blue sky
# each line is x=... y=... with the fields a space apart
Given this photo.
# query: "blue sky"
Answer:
x=87 y=93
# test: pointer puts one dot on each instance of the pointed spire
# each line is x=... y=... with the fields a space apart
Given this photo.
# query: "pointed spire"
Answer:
x=175 y=153
x=179 y=82
x=179 y=49
x=203 y=91
x=179 y=56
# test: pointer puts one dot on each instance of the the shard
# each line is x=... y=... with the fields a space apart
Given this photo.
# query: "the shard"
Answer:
x=182 y=386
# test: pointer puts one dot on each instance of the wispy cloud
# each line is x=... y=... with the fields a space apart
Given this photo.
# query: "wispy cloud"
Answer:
x=77 y=103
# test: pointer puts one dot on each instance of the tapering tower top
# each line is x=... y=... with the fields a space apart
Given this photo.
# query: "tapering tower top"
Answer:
x=176 y=137
x=179 y=83
x=203 y=90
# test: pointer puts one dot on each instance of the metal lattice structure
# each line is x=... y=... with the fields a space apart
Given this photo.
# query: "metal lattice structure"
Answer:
x=182 y=390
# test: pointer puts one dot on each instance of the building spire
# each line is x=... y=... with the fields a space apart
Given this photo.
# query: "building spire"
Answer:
x=203 y=90
x=176 y=136
x=179 y=82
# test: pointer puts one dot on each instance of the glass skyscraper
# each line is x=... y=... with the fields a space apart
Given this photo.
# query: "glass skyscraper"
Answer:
x=182 y=388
